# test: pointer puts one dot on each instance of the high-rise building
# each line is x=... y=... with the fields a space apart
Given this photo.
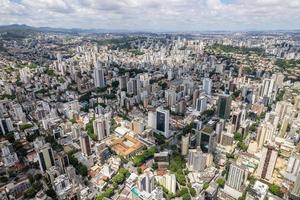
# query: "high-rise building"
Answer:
x=237 y=176
x=195 y=97
x=162 y=121
x=264 y=134
x=185 y=140
x=146 y=182
x=6 y=126
x=224 y=106
x=99 y=78
x=295 y=193
x=227 y=138
x=267 y=163
x=134 y=86
x=46 y=158
x=206 y=139
x=170 y=97
x=123 y=82
x=284 y=126
x=62 y=161
x=297 y=102
x=85 y=144
x=8 y=154
x=236 y=119
x=236 y=181
x=152 y=119
x=76 y=130
x=207 y=85
x=168 y=181
x=196 y=160
x=293 y=168
x=283 y=108
x=201 y=104
x=101 y=127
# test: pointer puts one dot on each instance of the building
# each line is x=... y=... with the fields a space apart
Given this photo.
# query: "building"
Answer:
x=168 y=181
x=259 y=191
x=237 y=176
x=267 y=163
x=227 y=139
x=201 y=104
x=295 y=193
x=101 y=127
x=99 y=78
x=123 y=82
x=185 y=141
x=126 y=146
x=162 y=121
x=236 y=180
x=146 y=182
x=76 y=130
x=207 y=85
x=264 y=134
x=137 y=126
x=6 y=126
x=206 y=139
x=134 y=86
x=236 y=119
x=224 y=106
x=196 y=160
x=46 y=158
x=162 y=159
x=8 y=154
x=62 y=161
x=16 y=189
x=85 y=144
x=293 y=168
x=62 y=186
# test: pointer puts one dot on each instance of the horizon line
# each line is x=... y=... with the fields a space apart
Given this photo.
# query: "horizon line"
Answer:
x=152 y=30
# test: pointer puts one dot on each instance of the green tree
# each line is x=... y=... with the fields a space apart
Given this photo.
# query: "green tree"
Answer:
x=192 y=191
x=115 y=84
x=221 y=182
x=154 y=166
x=238 y=137
x=139 y=170
x=205 y=185
x=276 y=190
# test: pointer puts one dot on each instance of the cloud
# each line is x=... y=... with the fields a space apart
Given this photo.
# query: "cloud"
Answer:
x=154 y=15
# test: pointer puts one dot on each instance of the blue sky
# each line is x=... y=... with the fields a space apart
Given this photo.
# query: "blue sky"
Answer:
x=154 y=15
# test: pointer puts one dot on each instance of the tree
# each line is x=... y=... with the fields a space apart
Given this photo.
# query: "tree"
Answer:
x=242 y=146
x=115 y=84
x=154 y=166
x=145 y=155
x=192 y=191
x=221 y=182
x=51 y=193
x=184 y=193
x=29 y=193
x=139 y=170
x=124 y=171
x=205 y=185
x=119 y=178
x=237 y=136
x=276 y=190
x=108 y=192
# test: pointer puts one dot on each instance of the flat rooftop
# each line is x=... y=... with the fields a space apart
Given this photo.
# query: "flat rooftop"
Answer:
x=127 y=145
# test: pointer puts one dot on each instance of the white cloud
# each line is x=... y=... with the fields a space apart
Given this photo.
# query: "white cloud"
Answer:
x=182 y=15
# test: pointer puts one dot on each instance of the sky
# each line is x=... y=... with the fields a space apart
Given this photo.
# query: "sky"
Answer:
x=154 y=15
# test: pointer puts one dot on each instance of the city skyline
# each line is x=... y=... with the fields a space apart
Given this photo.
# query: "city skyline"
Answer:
x=155 y=16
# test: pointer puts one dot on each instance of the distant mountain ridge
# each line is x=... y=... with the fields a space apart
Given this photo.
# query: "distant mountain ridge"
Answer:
x=24 y=27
